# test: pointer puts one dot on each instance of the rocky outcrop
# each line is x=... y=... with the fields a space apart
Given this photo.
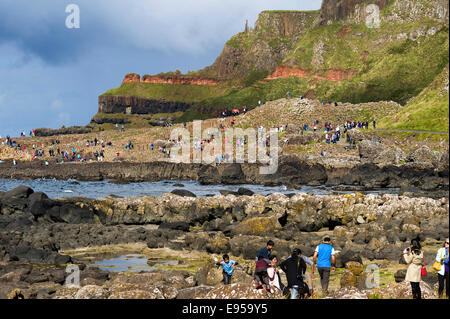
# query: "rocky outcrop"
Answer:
x=292 y=171
x=131 y=78
x=63 y=131
x=378 y=153
x=330 y=75
x=356 y=11
x=263 y=48
x=337 y=10
x=371 y=227
x=137 y=105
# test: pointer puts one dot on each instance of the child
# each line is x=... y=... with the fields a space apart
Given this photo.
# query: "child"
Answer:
x=228 y=268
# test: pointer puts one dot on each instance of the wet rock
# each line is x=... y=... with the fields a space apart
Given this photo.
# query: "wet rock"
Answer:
x=183 y=192
x=233 y=174
x=18 y=192
x=245 y=191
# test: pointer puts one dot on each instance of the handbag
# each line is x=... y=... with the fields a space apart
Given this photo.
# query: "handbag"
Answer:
x=423 y=270
x=437 y=264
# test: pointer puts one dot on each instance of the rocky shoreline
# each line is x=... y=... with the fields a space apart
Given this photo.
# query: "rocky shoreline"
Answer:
x=35 y=230
x=428 y=177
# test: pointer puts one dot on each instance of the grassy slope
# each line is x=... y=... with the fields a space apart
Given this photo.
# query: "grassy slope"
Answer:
x=429 y=111
x=170 y=92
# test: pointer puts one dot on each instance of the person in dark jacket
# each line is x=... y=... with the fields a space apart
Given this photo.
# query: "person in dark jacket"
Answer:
x=262 y=261
x=265 y=252
x=294 y=267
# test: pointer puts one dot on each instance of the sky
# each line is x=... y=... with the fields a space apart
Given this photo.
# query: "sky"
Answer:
x=51 y=75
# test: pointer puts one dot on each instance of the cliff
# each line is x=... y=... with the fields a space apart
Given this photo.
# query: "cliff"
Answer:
x=263 y=48
x=137 y=105
x=332 y=54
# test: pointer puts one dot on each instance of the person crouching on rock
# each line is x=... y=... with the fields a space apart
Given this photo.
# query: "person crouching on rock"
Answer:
x=262 y=261
x=414 y=258
x=228 y=268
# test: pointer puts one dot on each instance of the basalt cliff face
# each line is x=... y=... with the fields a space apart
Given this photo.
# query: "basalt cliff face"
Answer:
x=352 y=51
x=137 y=105
x=263 y=48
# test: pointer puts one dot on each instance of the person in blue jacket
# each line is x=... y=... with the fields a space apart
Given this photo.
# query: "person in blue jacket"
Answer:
x=324 y=257
x=228 y=268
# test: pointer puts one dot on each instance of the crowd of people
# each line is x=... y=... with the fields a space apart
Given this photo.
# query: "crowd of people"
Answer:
x=268 y=269
x=56 y=152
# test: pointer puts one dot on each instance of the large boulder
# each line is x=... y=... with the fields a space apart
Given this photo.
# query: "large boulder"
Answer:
x=424 y=155
x=294 y=129
x=233 y=174
x=183 y=193
x=18 y=192
x=369 y=150
x=258 y=226
x=356 y=135
x=400 y=275
x=209 y=275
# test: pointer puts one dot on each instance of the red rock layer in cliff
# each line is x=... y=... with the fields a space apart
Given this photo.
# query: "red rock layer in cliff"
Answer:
x=330 y=75
x=178 y=80
x=131 y=77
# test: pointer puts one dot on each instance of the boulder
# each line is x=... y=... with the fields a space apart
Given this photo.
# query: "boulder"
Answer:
x=356 y=135
x=369 y=150
x=18 y=192
x=258 y=226
x=424 y=155
x=294 y=129
x=245 y=191
x=233 y=174
x=354 y=267
x=209 y=275
x=183 y=193
x=400 y=275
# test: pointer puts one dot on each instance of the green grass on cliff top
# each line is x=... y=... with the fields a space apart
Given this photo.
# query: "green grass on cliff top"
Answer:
x=429 y=111
x=170 y=92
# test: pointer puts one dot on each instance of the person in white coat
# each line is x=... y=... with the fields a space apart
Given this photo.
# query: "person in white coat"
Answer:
x=413 y=256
